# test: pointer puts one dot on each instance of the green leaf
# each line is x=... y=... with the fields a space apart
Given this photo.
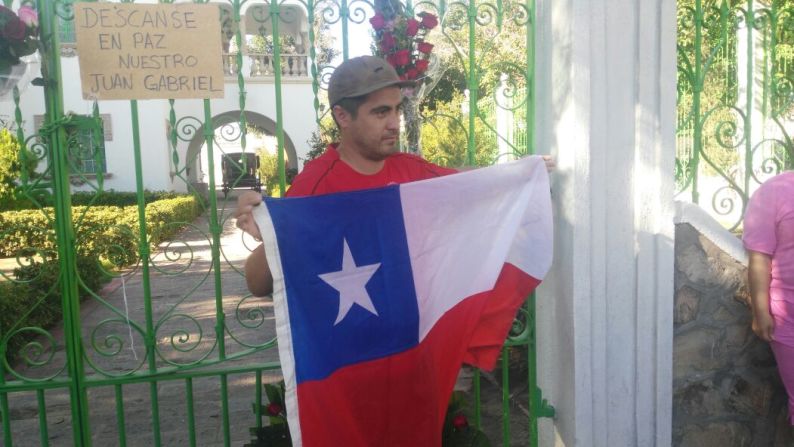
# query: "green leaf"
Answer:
x=275 y=394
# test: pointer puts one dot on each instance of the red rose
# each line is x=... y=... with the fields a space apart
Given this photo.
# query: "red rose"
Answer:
x=460 y=422
x=387 y=42
x=411 y=73
x=424 y=47
x=421 y=65
x=402 y=57
x=411 y=28
x=377 y=21
x=14 y=29
x=274 y=409
x=429 y=21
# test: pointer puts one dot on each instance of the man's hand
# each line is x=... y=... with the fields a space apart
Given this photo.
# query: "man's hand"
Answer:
x=763 y=326
x=548 y=160
x=257 y=273
x=244 y=213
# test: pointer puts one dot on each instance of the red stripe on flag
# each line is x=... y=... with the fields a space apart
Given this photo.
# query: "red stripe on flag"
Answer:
x=401 y=400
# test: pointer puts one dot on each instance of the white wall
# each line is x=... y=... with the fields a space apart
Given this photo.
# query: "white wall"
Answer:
x=606 y=107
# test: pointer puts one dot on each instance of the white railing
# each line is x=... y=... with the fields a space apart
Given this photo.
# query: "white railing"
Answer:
x=263 y=65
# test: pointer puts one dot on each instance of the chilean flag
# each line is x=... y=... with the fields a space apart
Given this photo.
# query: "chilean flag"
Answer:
x=380 y=295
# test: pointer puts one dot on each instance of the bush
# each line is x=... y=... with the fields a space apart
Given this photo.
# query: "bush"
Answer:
x=110 y=233
x=11 y=167
x=114 y=198
x=445 y=137
x=34 y=298
x=86 y=198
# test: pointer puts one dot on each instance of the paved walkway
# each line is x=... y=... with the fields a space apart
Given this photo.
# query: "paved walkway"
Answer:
x=183 y=304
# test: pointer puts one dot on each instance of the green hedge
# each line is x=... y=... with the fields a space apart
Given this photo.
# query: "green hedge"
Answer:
x=34 y=298
x=88 y=198
x=108 y=232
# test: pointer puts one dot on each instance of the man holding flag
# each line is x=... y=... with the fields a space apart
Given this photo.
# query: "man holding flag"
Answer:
x=381 y=294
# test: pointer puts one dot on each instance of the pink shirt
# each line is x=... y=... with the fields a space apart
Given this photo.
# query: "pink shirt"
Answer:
x=769 y=229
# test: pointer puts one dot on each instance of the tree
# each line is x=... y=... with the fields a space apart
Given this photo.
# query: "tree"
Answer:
x=11 y=165
x=716 y=78
x=501 y=49
x=445 y=136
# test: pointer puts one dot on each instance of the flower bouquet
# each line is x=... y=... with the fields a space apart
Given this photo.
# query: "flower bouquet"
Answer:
x=18 y=35
x=401 y=40
x=18 y=38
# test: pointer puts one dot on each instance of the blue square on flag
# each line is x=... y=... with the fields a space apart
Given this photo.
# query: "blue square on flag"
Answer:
x=349 y=284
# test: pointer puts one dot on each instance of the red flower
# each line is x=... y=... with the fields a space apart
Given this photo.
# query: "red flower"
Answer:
x=421 y=65
x=429 y=21
x=411 y=73
x=14 y=28
x=377 y=21
x=412 y=27
x=402 y=58
x=424 y=47
x=274 y=409
x=387 y=42
x=460 y=422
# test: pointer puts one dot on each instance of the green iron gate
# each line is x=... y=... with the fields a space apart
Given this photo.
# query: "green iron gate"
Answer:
x=735 y=100
x=176 y=352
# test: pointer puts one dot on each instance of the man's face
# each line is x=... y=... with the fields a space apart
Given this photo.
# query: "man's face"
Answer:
x=376 y=128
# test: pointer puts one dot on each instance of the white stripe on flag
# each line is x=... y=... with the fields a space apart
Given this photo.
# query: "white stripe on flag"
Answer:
x=462 y=228
x=281 y=312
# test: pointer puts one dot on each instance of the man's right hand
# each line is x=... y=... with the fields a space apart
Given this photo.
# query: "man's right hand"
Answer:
x=244 y=213
x=257 y=273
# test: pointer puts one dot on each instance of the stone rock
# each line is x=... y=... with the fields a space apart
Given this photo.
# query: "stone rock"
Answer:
x=750 y=395
x=726 y=389
x=723 y=434
x=702 y=262
x=722 y=314
x=687 y=301
x=698 y=400
x=737 y=336
x=784 y=433
x=692 y=263
x=695 y=352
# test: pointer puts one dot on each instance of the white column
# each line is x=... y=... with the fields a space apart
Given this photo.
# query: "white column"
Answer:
x=606 y=109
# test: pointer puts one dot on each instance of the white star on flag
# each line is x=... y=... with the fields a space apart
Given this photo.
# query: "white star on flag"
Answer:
x=351 y=283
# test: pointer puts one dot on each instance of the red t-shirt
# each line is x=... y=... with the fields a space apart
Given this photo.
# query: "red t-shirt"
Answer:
x=328 y=174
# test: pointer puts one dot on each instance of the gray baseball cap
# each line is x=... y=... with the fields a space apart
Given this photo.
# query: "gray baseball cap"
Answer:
x=362 y=75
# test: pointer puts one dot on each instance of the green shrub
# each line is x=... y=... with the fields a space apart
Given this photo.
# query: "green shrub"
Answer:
x=34 y=298
x=114 y=198
x=110 y=233
x=445 y=137
x=12 y=166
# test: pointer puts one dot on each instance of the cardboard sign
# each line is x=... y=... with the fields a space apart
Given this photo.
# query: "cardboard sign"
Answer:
x=139 y=51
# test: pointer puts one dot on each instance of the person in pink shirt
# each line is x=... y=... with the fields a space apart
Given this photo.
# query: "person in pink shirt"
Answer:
x=769 y=240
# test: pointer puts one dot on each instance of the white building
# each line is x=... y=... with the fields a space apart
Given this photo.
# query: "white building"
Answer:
x=167 y=170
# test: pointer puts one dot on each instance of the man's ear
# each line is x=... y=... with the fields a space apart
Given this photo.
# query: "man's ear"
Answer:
x=343 y=117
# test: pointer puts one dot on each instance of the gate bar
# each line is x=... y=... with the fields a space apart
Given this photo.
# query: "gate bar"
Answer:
x=57 y=151
x=143 y=249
